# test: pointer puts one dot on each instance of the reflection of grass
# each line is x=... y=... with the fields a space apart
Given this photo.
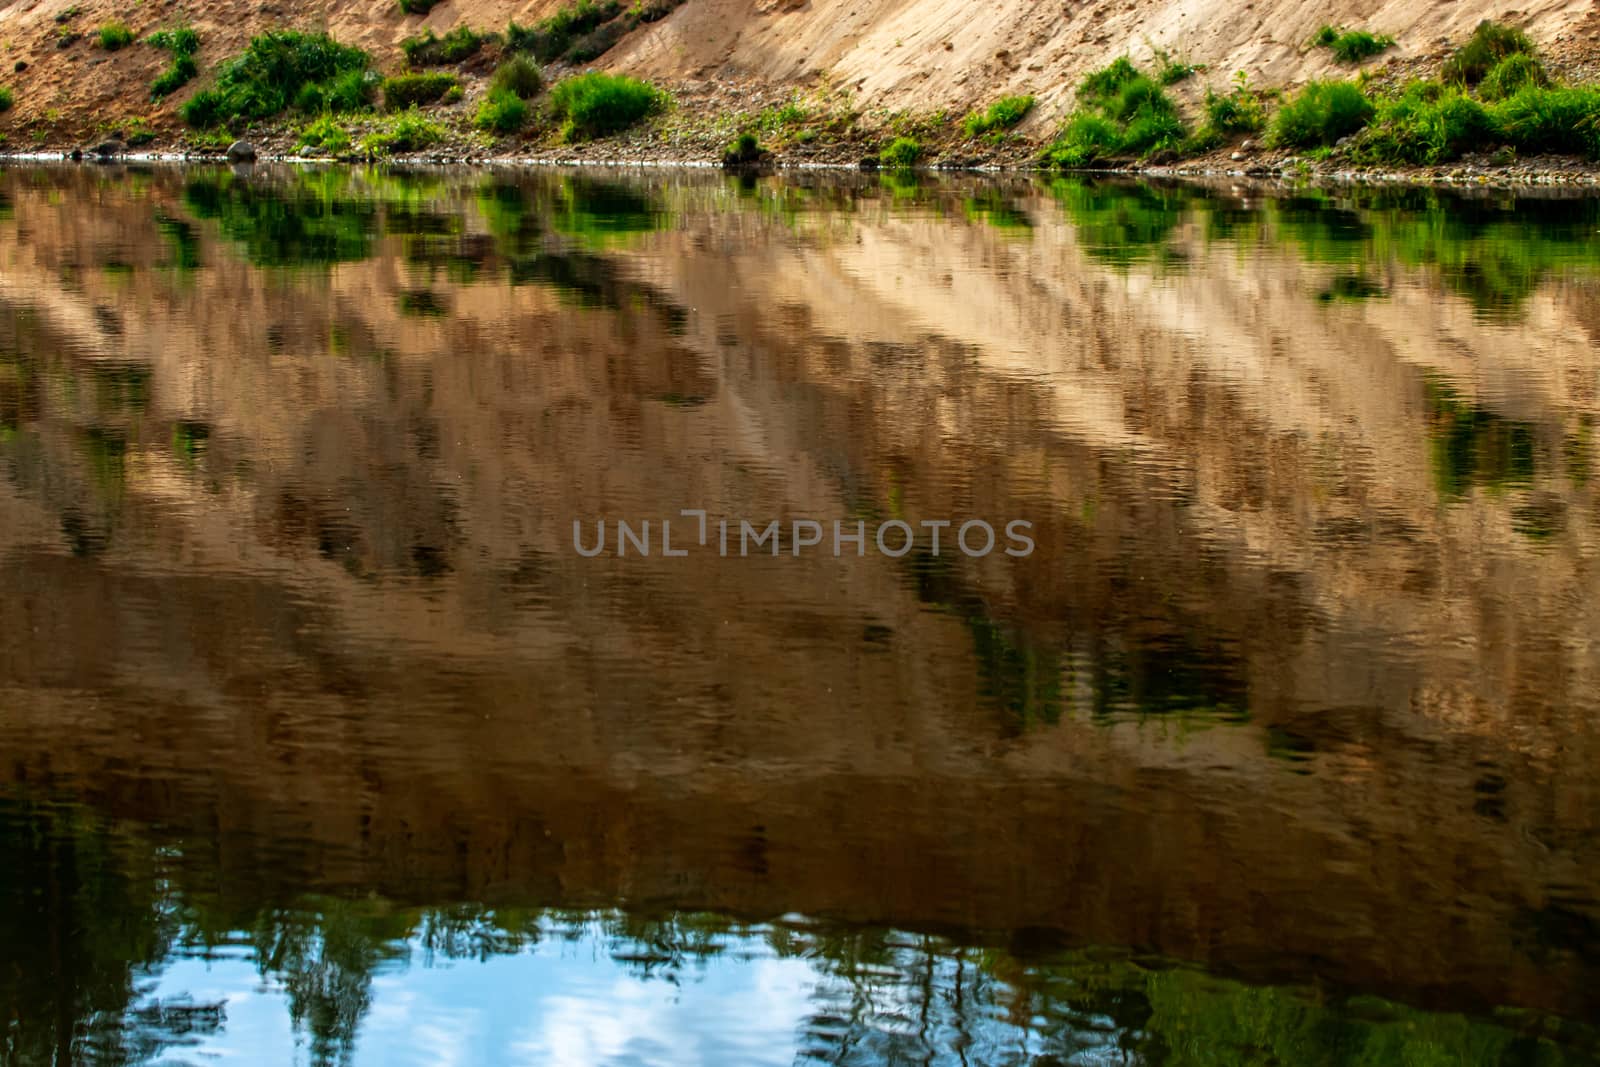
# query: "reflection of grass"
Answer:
x=996 y=210
x=1578 y=448
x=600 y=212
x=508 y=215
x=421 y=303
x=1494 y=253
x=189 y=440
x=1121 y=225
x=1352 y=287
x=1171 y=676
x=1472 y=446
x=184 y=241
x=298 y=226
x=122 y=387
x=1017 y=674
x=105 y=451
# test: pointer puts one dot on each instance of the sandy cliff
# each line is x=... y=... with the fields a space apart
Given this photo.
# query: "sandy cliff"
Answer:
x=918 y=55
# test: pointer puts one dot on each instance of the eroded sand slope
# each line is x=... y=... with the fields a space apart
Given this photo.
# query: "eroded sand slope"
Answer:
x=913 y=54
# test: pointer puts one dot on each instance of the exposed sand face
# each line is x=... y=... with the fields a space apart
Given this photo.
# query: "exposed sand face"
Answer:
x=902 y=54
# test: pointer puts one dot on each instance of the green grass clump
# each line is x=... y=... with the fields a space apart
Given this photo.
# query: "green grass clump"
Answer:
x=1085 y=139
x=183 y=41
x=1428 y=123
x=114 y=36
x=1511 y=75
x=326 y=134
x=1433 y=123
x=1152 y=129
x=595 y=104
x=1321 y=113
x=175 y=77
x=312 y=72
x=409 y=90
x=348 y=92
x=1240 y=110
x=519 y=76
x=743 y=150
x=409 y=131
x=1139 y=97
x=502 y=111
x=902 y=153
x=551 y=38
x=1148 y=117
x=1001 y=115
x=1101 y=85
x=1488 y=45
x=428 y=49
x=1564 y=121
x=1124 y=112
x=5 y=98
x=418 y=7
x=1351 y=46
x=1173 y=72
x=136 y=133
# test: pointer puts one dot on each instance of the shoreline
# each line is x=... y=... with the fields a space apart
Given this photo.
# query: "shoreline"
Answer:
x=1557 y=173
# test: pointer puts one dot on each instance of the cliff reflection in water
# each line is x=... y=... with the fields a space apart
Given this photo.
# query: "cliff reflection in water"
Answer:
x=302 y=676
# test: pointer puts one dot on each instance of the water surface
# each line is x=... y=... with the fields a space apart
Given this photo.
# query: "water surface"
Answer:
x=321 y=743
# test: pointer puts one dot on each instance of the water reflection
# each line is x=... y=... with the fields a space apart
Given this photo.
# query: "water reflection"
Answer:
x=149 y=961
x=1297 y=688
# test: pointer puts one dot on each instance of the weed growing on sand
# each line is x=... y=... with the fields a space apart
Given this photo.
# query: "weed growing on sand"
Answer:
x=114 y=36
x=409 y=90
x=1427 y=123
x=902 y=153
x=1172 y=71
x=1321 y=113
x=1513 y=74
x=428 y=49
x=175 y=77
x=549 y=39
x=409 y=131
x=586 y=29
x=595 y=104
x=1123 y=112
x=1488 y=45
x=1433 y=123
x=502 y=112
x=743 y=150
x=1085 y=139
x=183 y=43
x=519 y=76
x=1351 y=46
x=327 y=135
x=1562 y=120
x=1001 y=116
x=136 y=132
x=284 y=68
x=1241 y=110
